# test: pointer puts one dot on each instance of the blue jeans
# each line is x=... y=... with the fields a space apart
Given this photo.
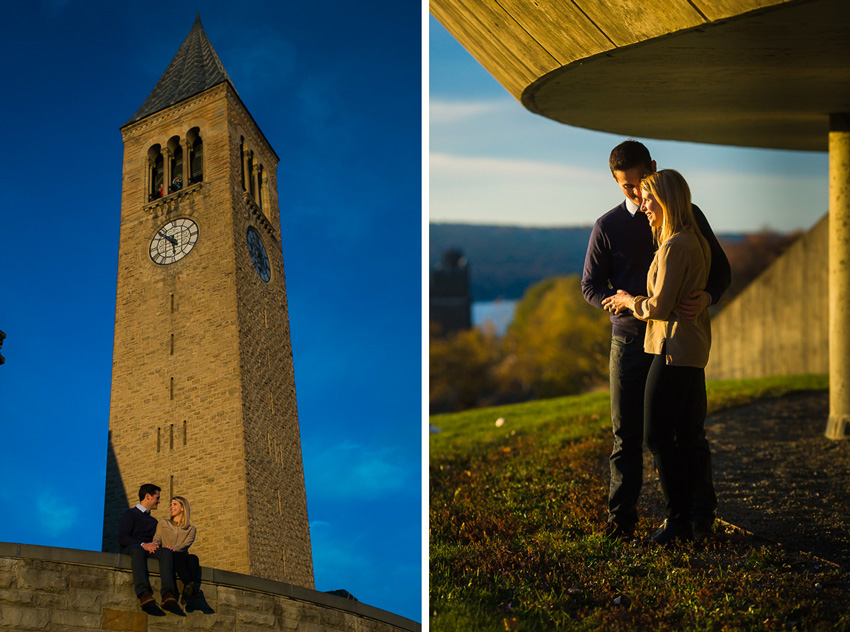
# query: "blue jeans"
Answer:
x=628 y=368
x=141 y=579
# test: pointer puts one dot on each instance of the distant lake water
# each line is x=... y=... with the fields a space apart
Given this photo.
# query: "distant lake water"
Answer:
x=499 y=312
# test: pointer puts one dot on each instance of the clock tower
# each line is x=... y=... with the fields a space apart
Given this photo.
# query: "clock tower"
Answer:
x=203 y=392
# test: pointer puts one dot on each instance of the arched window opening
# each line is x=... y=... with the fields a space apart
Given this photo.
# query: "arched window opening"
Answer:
x=175 y=172
x=196 y=156
x=251 y=188
x=260 y=176
x=156 y=166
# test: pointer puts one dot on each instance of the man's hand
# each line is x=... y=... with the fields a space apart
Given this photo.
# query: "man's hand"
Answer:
x=691 y=307
x=150 y=547
x=617 y=303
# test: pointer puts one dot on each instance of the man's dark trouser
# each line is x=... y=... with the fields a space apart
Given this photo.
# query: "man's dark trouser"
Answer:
x=628 y=368
x=141 y=579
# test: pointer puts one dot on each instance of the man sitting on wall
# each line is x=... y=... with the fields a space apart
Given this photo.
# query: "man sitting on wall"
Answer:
x=135 y=535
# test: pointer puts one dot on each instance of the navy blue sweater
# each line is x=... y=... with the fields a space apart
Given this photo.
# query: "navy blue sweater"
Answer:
x=136 y=527
x=619 y=254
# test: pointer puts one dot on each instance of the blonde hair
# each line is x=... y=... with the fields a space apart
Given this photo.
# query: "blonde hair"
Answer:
x=674 y=197
x=184 y=518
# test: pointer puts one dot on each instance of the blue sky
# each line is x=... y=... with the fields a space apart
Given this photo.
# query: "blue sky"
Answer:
x=335 y=87
x=493 y=162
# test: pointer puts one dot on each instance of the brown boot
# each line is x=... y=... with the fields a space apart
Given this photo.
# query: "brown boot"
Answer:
x=146 y=599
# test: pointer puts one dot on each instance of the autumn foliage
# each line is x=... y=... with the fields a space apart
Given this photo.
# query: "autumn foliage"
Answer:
x=556 y=345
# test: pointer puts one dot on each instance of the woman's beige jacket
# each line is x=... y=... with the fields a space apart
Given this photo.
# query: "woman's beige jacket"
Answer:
x=172 y=536
x=678 y=269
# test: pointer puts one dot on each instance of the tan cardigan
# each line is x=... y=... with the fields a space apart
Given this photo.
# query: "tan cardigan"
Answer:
x=677 y=270
x=173 y=536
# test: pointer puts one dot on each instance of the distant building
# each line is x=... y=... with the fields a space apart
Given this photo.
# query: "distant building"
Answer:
x=450 y=301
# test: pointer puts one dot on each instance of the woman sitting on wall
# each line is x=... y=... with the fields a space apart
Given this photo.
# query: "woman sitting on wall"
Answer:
x=178 y=534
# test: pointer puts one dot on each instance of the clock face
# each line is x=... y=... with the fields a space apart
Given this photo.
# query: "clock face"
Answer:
x=174 y=241
x=258 y=255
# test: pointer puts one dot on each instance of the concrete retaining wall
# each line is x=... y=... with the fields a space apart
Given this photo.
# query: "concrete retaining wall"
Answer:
x=67 y=590
x=779 y=325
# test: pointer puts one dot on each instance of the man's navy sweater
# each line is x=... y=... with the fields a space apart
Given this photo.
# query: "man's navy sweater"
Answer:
x=136 y=527
x=619 y=253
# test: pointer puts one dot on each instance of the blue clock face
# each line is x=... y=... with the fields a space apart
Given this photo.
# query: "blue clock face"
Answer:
x=258 y=255
x=173 y=241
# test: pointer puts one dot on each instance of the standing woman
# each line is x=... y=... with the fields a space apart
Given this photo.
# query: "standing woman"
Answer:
x=178 y=534
x=675 y=400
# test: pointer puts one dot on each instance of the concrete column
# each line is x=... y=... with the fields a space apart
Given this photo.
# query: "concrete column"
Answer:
x=838 y=426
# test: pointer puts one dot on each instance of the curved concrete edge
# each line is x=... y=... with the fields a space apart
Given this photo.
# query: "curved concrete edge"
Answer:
x=211 y=575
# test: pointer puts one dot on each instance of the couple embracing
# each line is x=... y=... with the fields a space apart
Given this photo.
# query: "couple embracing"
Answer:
x=654 y=263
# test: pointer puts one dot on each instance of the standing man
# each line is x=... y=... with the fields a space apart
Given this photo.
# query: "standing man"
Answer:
x=135 y=535
x=619 y=253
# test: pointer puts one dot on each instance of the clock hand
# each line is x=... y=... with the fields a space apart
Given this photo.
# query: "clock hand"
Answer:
x=168 y=237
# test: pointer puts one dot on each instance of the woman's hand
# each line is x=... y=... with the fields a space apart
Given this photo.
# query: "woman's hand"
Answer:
x=619 y=302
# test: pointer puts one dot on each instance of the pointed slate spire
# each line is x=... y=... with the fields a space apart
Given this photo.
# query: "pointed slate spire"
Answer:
x=195 y=68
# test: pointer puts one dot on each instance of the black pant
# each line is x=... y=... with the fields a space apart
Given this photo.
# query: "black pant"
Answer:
x=141 y=579
x=188 y=568
x=674 y=428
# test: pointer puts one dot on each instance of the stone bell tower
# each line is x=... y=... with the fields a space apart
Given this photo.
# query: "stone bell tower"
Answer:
x=203 y=391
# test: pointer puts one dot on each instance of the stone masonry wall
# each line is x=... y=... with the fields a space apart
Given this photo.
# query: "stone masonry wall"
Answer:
x=67 y=590
x=779 y=325
x=278 y=527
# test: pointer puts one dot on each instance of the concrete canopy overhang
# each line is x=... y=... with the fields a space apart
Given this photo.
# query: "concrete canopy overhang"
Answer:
x=753 y=73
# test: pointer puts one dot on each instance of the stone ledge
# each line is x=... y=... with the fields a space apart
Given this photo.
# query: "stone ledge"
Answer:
x=211 y=577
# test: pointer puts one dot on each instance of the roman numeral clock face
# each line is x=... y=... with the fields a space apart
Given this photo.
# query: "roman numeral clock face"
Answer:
x=174 y=241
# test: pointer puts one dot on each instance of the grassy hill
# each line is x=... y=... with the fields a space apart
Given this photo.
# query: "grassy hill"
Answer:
x=514 y=505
